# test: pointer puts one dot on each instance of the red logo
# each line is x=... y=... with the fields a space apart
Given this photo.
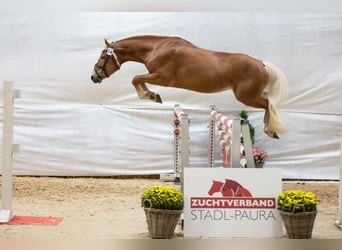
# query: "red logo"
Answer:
x=234 y=195
x=229 y=188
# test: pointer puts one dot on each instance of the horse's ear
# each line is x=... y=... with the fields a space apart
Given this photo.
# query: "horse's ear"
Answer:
x=107 y=42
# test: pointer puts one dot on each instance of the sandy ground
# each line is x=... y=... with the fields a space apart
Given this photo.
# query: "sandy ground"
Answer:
x=109 y=208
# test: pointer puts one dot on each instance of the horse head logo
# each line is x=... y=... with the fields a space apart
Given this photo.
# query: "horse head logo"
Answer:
x=229 y=188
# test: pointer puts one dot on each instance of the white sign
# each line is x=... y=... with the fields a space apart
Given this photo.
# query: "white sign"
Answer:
x=232 y=202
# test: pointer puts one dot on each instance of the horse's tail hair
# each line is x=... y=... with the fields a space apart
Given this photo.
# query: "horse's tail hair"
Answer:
x=275 y=92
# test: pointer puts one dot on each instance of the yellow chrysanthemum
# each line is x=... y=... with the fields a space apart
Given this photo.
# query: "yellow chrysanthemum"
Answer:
x=162 y=197
x=294 y=200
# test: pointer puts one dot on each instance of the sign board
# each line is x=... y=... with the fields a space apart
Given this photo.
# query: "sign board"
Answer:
x=232 y=202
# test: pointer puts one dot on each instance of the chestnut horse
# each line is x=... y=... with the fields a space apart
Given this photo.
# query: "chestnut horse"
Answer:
x=174 y=62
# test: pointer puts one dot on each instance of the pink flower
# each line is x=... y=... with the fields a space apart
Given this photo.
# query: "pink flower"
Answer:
x=259 y=155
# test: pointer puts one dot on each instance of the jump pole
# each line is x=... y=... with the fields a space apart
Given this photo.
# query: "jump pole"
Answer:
x=184 y=145
x=211 y=146
x=339 y=218
x=8 y=149
x=238 y=132
x=181 y=145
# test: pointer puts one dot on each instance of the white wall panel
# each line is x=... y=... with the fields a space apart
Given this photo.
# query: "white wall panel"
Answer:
x=66 y=125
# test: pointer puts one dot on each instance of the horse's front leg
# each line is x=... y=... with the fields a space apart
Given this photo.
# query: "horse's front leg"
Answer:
x=142 y=91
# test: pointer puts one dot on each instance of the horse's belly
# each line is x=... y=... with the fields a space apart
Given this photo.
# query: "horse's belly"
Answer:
x=202 y=78
x=203 y=87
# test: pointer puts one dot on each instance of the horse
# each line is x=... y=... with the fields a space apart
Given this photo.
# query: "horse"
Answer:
x=172 y=61
x=234 y=188
x=229 y=188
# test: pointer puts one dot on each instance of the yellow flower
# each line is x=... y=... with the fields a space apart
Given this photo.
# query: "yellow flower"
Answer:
x=162 y=197
x=294 y=200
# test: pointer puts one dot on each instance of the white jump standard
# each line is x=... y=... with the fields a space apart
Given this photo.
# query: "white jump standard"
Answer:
x=181 y=145
x=339 y=218
x=8 y=149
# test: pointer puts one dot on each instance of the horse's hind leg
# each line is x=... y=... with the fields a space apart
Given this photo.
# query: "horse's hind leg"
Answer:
x=266 y=129
x=258 y=101
x=142 y=91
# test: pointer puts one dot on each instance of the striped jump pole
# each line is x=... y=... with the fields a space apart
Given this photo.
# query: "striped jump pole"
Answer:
x=211 y=144
x=181 y=142
x=236 y=146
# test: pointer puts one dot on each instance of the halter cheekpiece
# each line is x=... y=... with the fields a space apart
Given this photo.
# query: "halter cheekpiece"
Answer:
x=110 y=51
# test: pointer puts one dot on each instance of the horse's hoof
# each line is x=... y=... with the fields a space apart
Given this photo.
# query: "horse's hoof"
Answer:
x=271 y=134
x=158 y=98
x=275 y=136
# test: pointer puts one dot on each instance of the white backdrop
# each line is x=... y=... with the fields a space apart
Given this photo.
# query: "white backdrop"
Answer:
x=67 y=126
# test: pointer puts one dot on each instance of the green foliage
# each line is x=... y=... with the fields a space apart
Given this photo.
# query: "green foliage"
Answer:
x=290 y=199
x=162 y=197
x=244 y=120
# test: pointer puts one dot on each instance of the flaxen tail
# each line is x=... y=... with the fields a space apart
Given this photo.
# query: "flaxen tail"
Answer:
x=275 y=92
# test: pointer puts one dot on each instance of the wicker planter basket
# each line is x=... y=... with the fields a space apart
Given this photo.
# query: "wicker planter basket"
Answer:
x=161 y=222
x=298 y=225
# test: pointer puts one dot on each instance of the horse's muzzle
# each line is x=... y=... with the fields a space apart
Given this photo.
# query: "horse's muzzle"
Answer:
x=96 y=79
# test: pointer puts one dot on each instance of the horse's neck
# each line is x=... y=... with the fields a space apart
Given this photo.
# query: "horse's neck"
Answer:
x=133 y=49
x=230 y=184
x=138 y=48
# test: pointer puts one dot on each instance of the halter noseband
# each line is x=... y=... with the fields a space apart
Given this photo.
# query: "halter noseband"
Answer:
x=110 y=53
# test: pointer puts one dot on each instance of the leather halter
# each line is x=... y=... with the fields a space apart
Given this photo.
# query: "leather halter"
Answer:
x=107 y=54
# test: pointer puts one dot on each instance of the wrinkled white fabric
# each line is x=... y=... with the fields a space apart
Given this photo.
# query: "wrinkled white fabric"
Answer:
x=68 y=126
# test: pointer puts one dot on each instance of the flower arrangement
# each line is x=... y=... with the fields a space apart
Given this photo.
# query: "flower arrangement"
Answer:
x=259 y=155
x=162 y=197
x=294 y=201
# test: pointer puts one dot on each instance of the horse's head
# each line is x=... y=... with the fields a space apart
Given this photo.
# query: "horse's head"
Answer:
x=107 y=63
x=215 y=187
